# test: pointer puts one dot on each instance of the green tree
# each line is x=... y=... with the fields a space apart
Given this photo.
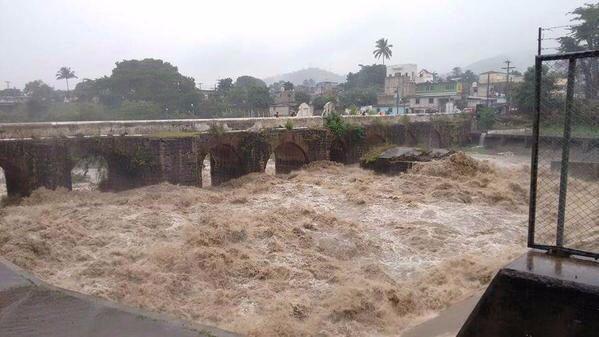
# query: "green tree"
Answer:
x=249 y=81
x=224 y=85
x=456 y=72
x=585 y=36
x=39 y=90
x=65 y=73
x=99 y=90
x=524 y=93
x=302 y=97
x=486 y=118
x=383 y=49
x=249 y=96
x=358 y=97
x=469 y=77
x=10 y=92
x=368 y=77
x=288 y=86
x=40 y=96
x=319 y=101
x=153 y=80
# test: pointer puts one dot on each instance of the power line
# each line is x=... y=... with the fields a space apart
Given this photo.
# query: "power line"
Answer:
x=542 y=37
x=556 y=27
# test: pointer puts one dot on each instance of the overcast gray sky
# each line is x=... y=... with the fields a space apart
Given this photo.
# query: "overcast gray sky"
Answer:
x=209 y=40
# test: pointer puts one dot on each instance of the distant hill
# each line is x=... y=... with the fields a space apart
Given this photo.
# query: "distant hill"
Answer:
x=298 y=77
x=521 y=60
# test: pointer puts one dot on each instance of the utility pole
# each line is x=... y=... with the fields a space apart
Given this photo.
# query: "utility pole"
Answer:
x=507 y=84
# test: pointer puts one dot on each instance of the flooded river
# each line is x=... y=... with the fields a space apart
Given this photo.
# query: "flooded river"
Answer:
x=328 y=250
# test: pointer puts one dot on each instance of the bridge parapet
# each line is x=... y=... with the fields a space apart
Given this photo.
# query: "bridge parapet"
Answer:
x=150 y=127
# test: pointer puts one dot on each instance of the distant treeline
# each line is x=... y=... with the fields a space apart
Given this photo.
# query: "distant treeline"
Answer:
x=154 y=89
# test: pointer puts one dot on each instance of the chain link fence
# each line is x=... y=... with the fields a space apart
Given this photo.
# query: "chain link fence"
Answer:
x=564 y=205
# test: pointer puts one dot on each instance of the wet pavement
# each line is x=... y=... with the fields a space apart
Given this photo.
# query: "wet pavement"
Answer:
x=31 y=308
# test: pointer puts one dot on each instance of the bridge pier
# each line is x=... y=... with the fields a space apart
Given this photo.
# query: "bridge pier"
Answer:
x=178 y=160
x=31 y=164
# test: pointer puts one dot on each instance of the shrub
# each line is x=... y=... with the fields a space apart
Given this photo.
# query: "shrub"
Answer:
x=216 y=129
x=289 y=124
x=486 y=118
x=340 y=128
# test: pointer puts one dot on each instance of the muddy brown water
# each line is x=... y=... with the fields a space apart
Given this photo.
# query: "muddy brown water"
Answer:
x=328 y=250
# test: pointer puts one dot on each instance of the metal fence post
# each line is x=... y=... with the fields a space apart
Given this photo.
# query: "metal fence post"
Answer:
x=563 y=184
x=534 y=161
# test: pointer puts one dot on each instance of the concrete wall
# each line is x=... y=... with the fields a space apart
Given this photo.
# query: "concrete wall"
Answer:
x=539 y=295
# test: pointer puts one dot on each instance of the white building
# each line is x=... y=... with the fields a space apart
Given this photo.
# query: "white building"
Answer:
x=425 y=76
x=408 y=69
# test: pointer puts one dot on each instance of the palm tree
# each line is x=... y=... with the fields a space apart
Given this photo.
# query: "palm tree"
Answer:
x=383 y=49
x=65 y=73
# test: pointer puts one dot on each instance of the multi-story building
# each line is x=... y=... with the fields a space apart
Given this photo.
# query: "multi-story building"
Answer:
x=493 y=84
x=436 y=97
x=425 y=76
x=398 y=87
x=408 y=90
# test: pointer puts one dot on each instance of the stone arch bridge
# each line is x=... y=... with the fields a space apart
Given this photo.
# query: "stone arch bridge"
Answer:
x=37 y=155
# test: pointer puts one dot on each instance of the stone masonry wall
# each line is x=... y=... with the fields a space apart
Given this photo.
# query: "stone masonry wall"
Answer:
x=135 y=161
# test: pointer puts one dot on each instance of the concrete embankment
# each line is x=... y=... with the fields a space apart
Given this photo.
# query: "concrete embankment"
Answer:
x=539 y=295
x=31 y=308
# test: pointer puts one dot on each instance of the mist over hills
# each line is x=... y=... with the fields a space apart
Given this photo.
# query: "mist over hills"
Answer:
x=521 y=60
x=298 y=77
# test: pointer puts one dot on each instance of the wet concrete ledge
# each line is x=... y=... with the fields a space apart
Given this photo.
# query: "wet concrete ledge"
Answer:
x=32 y=308
x=539 y=295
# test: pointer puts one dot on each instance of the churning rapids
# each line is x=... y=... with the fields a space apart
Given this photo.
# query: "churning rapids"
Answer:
x=328 y=250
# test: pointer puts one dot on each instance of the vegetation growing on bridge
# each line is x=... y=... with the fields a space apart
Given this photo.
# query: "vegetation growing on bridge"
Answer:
x=174 y=134
x=216 y=129
x=373 y=154
x=289 y=124
x=341 y=128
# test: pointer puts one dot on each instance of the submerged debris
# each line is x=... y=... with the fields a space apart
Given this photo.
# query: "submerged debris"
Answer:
x=397 y=159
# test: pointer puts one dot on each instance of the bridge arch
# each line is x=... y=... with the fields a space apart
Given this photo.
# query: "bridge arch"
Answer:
x=435 y=138
x=374 y=139
x=3 y=190
x=203 y=165
x=289 y=156
x=14 y=184
x=338 y=151
x=89 y=172
x=411 y=138
x=225 y=164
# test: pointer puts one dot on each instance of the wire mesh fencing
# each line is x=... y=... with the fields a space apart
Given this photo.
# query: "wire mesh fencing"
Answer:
x=564 y=206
